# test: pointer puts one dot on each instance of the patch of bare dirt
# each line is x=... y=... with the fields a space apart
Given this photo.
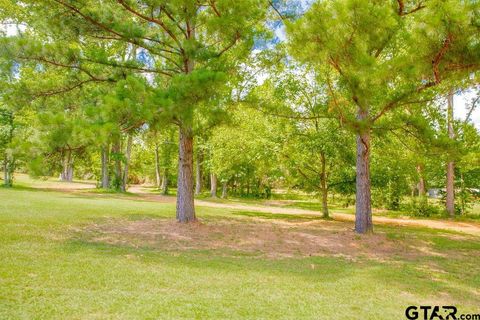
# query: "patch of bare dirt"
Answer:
x=260 y=237
x=470 y=228
x=274 y=206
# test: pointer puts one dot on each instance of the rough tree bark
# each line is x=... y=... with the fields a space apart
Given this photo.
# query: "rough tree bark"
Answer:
x=363 y=209
x=67 y=168
x=323 y=186
x=105 y=183
x=450 y=198
x=185 y=197
x=127 y=163
x=185 y=192
x=198 y=172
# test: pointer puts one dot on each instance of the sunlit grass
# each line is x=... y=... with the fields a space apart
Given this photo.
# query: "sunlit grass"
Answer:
x=49 y=271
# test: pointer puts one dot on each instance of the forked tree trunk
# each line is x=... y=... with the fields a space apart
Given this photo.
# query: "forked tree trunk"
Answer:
x=323 y=186
x=450 y=198
x=363 y=209
x=127 y=163
x=213 y=185
x=198 y=172
x=158 y=181
x=224 y=189
x=185 y=199
x=105 y=184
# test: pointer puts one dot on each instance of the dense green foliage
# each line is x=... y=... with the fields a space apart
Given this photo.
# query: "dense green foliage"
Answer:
x=97 y=92
x=276 y=123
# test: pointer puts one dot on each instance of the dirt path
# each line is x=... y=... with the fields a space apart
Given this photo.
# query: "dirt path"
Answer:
x=464 y=227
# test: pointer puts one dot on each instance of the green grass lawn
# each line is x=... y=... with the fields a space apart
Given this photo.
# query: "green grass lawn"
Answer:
x=309 y=202
x=51 y=269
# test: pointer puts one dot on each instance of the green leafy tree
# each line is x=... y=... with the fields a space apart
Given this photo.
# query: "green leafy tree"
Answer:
x=378 y=56
x=184 y=47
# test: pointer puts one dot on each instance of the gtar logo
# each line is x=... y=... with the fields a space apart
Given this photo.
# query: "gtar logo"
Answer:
x=431 y=313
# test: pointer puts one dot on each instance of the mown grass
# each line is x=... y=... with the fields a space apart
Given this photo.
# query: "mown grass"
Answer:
x=49 y=271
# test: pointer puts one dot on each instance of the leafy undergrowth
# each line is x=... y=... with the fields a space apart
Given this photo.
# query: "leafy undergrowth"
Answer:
x=81 y=256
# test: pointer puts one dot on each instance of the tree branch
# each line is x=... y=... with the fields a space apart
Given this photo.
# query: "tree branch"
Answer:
x=156 y=21
x=66 y=89
x=401 y=8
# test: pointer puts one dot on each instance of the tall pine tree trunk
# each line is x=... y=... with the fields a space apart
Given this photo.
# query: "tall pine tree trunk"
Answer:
x=323 y=186
x=157 y=168
x=198 y=172
x=185 y=199
x=67 y=167
x=185 y=192
x=127 y=163
x=105 y=183
x=363 y=209
x=164 y=185
x=213 y=185
x=116 y=148
x=450 y=199
x=421 y=181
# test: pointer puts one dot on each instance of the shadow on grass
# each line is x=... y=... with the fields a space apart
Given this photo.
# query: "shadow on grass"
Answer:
x=340 y=272
x=148 y=216
x=279 y=216
x=90 y=194
x=213 y=261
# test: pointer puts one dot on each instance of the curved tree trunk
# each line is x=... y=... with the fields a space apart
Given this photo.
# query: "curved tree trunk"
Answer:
x=323 y=185
x=213 y=185
x=185 y=199
x=363 y=209
x=450 y=199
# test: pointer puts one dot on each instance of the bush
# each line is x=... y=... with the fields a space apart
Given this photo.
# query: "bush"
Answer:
x=420 y=207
